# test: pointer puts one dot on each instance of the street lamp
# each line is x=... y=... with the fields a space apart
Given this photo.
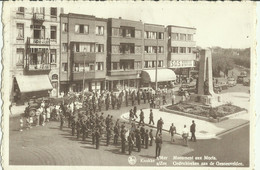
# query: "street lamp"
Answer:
x=83 y=83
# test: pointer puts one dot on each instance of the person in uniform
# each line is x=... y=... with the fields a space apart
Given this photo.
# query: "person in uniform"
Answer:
x=130 y=143
x=146 y=138
x=123 y=140
x=142 y=131
x=116 y=134
x=151 y=117
x=158 y=142
x=172 y=131
x=113 y=98
x=141 y=117
x=135 y=111
x=107 y=100
x=97 y=135
x=159 y=126
x=108 y=136
x=138 y=141
x=151 y=137
x=192 y=130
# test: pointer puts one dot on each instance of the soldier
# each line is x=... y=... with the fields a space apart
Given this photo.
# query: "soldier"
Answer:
x=97 y=135
x=113 y=98
x=144 y=96
x=123 y=140
x=141 y=117
x=142 y=131
x=146 y=138
x=107 y=100
x=108 y=136
x=158 y=142
x=138 y=141
x=151 y=137
x=172 y=131
x=73 y=124
x=126 y=98
x=93 y=136
x=138 y=97
x=78 y=129
x=151 y=117
x=116 y=134
x=159 y=126
x=130 y=143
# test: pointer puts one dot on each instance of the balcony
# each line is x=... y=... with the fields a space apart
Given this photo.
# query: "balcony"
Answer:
x=36 y=41
x=79 y=57
x=38 y=67
x=38 y=17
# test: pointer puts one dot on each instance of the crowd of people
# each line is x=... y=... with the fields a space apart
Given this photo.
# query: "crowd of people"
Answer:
x=87 y=120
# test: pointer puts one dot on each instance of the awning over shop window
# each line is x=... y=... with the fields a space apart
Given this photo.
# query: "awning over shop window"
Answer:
x=162 y=75
x=33 y=83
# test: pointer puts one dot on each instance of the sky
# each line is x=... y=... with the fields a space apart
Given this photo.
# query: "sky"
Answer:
x=225 y=25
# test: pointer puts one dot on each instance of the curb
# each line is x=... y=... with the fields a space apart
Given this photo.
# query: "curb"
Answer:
x=234 y=128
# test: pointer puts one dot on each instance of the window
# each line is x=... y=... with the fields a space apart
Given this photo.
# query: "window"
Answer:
x=20 y=10
x=20 y=31
x=19 y=56
x=182 y=49
x=150 y=35
x=65 y=67
x=174 y=49
x=138 y=65
x=127 y=48
x=64 y=47
x=175 y=36
x=64 y=27
x=190 y=37
x=99 y=66
x=161 y=35
x=91 y=67
x=38 y=32
x=99 y=48
x=160 y=63
x=76 y=67
x=189 y=50
x=38 y=10
x=114 y=65
x=53 y=32
x=99 y=30
x=115 y=32
x=54 y=12
x=127 y=32
x=82 y=29
x=53 y=56
x=183 y=37
x=84 y=47
x=126 y=64
x=160 y=49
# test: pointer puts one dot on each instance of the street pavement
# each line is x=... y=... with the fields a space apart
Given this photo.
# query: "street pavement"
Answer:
x=48 y=145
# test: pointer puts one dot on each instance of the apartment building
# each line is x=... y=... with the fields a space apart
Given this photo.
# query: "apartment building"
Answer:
x=35 y=43
x=125 y=51
x=181 y=57
x=83 y=52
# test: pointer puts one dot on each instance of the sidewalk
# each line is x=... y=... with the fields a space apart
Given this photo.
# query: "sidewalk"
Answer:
x=204 y=129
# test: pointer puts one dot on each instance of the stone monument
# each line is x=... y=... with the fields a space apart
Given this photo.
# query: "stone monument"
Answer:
x=205 y=94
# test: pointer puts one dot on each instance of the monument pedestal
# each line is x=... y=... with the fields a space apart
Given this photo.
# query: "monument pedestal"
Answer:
x=208 y=100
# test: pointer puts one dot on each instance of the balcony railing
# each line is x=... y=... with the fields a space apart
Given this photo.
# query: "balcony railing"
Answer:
x=37 y=41
x=38 y=67
x=38 y=17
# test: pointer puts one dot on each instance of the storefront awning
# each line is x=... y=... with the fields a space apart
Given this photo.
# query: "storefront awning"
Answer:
x=33 y=83
x=162 y=75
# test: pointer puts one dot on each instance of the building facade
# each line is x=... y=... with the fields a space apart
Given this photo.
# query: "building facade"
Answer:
x=35 y=44
x=181 y=45
x=83 y=53
x=125 y=53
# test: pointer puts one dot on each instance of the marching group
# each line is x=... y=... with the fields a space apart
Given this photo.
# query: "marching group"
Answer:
x=88 y=120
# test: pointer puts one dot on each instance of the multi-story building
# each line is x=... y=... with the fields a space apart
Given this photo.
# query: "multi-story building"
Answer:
x=35 y=44
x=180 y=50
x=83 y=52
x=125 y=48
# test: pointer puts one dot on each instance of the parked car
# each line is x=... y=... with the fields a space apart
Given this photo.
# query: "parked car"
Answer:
x=186 y=87
x=231 y=81
x=240 y=79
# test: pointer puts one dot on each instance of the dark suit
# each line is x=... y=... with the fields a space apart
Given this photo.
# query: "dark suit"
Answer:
x=192 y=130
x=158 y=142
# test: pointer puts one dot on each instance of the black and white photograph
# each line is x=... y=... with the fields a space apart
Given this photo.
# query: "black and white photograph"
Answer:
x=128 y=84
